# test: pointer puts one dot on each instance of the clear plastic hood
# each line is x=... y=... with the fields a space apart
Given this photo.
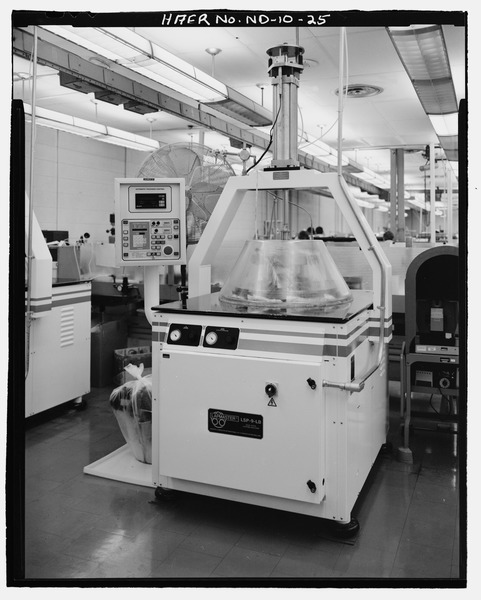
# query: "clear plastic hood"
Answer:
x=287 y=274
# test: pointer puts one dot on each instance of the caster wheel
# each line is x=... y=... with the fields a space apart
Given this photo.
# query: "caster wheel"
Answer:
x=387 y=449
x=345 y=530
x=165 y=495
x=79 y=404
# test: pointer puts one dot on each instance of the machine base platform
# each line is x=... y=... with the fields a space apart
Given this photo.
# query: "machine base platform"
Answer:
x=121 y=465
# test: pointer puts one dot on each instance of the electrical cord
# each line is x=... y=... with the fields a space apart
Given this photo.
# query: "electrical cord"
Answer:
x=308 y=214
x=432 y=406
x=449 y=401
x=296 y=205
x=302 y=124
x=276 y=198
x=270 y=135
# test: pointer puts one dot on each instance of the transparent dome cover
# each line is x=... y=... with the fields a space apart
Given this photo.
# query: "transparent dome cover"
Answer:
x=285 y=274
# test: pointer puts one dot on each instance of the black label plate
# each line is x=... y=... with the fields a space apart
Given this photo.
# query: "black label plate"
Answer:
x=235 y=423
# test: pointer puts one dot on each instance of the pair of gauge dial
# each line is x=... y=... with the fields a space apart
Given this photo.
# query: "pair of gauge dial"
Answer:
x=210 y=338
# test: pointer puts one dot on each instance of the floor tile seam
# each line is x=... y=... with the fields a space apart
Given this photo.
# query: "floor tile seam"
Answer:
x=182 y=544
x=401 y=536
x=193 y=552
x=437 y=548
x=55 y=560
x=311 y=549
x=250 y=549
x=195 y=533
x=448 y=523
x=149 y=555
x=237 y=545
x=456 y=550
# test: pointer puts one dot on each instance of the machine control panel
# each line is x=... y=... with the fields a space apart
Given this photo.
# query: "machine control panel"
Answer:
x=150 y=217
x=443 y=375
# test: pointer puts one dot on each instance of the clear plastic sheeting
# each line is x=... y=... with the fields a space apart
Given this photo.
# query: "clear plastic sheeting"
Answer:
x=132 y=407
x=285 y=274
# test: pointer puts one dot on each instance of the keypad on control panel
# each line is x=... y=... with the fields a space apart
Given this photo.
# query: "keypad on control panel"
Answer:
x=163 y=239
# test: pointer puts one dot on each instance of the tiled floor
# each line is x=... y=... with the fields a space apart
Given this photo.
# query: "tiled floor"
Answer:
x=82 y=526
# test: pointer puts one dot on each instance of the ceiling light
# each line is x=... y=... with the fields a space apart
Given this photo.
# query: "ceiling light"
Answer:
x=241 y=108
x=445 y=125
x=89 y=129
x=131 y=50
x=360 y=90
x=213 y=51
x=423 y=52
x=364 y=204
x=123 y=46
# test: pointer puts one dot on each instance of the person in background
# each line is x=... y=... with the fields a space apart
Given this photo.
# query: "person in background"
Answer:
x=319 y=230
x=303 y=235
x=388 y=235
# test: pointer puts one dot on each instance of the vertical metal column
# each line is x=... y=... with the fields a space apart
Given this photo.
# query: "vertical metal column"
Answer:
x=393 y=213
x=432 y=195
x=285 y=65
x=450 y=206
x=401 y=230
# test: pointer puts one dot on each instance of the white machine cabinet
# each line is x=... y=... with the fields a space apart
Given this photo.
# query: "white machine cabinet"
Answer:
x=59 y=349
x=240 y=412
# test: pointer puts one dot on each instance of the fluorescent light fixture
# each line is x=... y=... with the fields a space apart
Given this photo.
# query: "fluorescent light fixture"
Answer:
x=364 y=204
x=242 y=108
x=454 y=166
x=125 y=47
x=89 y=129
x=422 y=50
x=382 y=208
x=374 y=179
x=329 y=155
x=445 y=125
x=450 y=146
x=128 y=48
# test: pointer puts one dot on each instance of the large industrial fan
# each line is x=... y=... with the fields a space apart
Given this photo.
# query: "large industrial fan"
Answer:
x=206 y=173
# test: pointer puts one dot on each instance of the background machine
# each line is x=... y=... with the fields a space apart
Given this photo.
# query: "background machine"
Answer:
x=430 y=353
x=273 y=391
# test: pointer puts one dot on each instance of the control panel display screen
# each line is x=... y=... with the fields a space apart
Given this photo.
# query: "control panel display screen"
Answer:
x=139 y=236
x=150 y=201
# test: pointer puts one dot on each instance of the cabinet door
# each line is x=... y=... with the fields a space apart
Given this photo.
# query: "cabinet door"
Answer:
x=217 y=424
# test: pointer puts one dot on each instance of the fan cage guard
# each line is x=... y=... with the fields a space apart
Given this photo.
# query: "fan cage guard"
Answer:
x=205 y=172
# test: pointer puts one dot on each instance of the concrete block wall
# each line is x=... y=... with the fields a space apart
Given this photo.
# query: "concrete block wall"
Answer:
x=74 y=181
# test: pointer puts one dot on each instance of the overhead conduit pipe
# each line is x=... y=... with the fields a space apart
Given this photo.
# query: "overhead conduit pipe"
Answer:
x=28 y=308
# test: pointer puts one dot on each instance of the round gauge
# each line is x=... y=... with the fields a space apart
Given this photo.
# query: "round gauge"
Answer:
x=175 y=335
x=211 y=338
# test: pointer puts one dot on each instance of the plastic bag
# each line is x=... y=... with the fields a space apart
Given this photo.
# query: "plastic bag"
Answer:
x=131 y=403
